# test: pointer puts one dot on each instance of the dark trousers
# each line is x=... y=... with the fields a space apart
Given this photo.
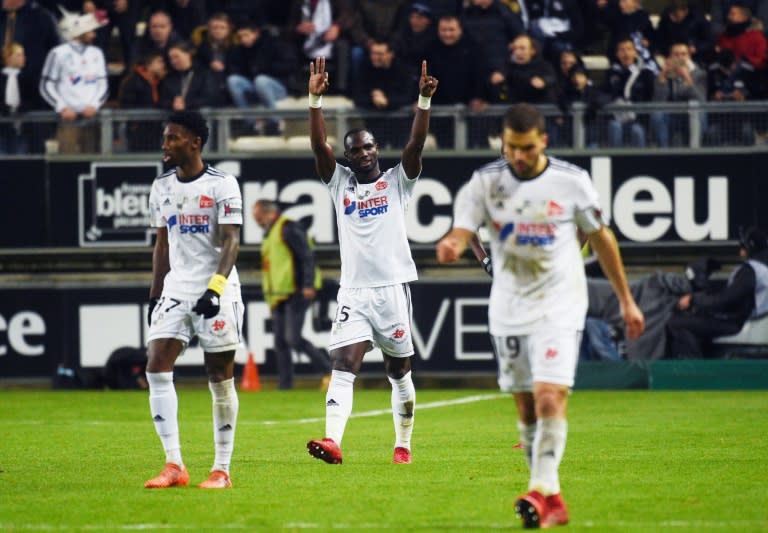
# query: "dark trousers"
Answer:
x=690 y=336
x=287 y=321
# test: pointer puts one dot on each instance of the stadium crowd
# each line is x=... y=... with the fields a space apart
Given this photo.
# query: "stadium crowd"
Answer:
x=194 y=54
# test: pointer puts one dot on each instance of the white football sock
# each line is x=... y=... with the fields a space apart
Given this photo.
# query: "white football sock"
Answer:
x=527 y=433
x=403 y=409
x=164 y=408
x=225 y=407
x=548 y=448
x=338 y=404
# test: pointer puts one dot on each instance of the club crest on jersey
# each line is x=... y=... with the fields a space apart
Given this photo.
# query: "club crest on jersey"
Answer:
x=554 y=209
x=206 y=201
x=381 y=185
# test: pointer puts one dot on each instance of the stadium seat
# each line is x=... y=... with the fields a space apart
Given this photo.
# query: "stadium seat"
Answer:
x=255 y=143
x=751 y=341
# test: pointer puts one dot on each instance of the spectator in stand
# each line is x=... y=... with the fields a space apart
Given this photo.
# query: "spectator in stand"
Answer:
x=212 y=48
x=729 y=80
x=456 y=60
x=381 y=88
x=123 y=15
x=744 y=35
x=159 y=36
x=682 y=22
x=186 y=15
x=261 y=68
x=579 y=87
x=141 y=90
x=413 y=41
x=373 y=21
x=74 y=83
x=628 y=18
x=718 y=10
x=680 y=80
x=188 y=85
x=628 y=81
x=34 y=28
x=317 y=29
x=527 y=76
x=16 y=90
x=494 y=26
x=555 y=26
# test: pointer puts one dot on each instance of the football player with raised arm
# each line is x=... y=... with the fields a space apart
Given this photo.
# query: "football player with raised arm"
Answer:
x=374 y=300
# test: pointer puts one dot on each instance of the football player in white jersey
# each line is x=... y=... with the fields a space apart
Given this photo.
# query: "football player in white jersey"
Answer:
x=374 y=304
x=198 y=211
x=534 y=206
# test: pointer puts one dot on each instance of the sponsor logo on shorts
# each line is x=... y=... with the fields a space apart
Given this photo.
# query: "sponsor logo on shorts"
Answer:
x=551 y=353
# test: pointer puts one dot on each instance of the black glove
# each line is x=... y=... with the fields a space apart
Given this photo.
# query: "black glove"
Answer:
x=152 y=304
x=487 y=266
x=208 y=304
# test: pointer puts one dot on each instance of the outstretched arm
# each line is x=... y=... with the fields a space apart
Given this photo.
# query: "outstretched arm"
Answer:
x=604 y=244
x=325 y=162
x=420 y=127
x=452 y=246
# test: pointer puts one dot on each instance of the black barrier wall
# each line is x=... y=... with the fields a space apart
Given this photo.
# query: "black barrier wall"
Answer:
x=652 y=199
x=81 y=327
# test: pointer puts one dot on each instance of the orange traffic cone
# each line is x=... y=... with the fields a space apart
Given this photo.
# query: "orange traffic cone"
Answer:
x=250 y=381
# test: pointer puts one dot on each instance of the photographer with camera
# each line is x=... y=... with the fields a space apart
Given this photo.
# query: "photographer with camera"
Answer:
x=680 y=80
x=704 y=315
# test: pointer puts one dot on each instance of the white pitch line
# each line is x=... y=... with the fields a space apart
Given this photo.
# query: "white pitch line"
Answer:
x=377 y=412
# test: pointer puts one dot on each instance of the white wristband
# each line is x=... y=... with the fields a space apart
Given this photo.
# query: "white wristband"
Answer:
x=315 y=100
x=424 y=102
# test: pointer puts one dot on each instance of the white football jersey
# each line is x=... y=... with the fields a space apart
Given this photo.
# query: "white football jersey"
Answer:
x=192 y=212
x=538 y=272
x=370 y=218
x=74 y=76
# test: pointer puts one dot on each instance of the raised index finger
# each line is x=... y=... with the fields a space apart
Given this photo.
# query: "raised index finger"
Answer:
x=424 y=68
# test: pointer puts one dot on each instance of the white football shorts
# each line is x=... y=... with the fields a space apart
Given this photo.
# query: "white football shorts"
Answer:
x=379 y=315
x=549 y=355
x=174 y=319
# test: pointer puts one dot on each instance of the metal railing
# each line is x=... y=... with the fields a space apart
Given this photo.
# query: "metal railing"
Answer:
x=692 y=125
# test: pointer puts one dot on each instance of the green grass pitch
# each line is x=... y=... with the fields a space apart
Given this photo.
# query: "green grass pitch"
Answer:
x=635 y=461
